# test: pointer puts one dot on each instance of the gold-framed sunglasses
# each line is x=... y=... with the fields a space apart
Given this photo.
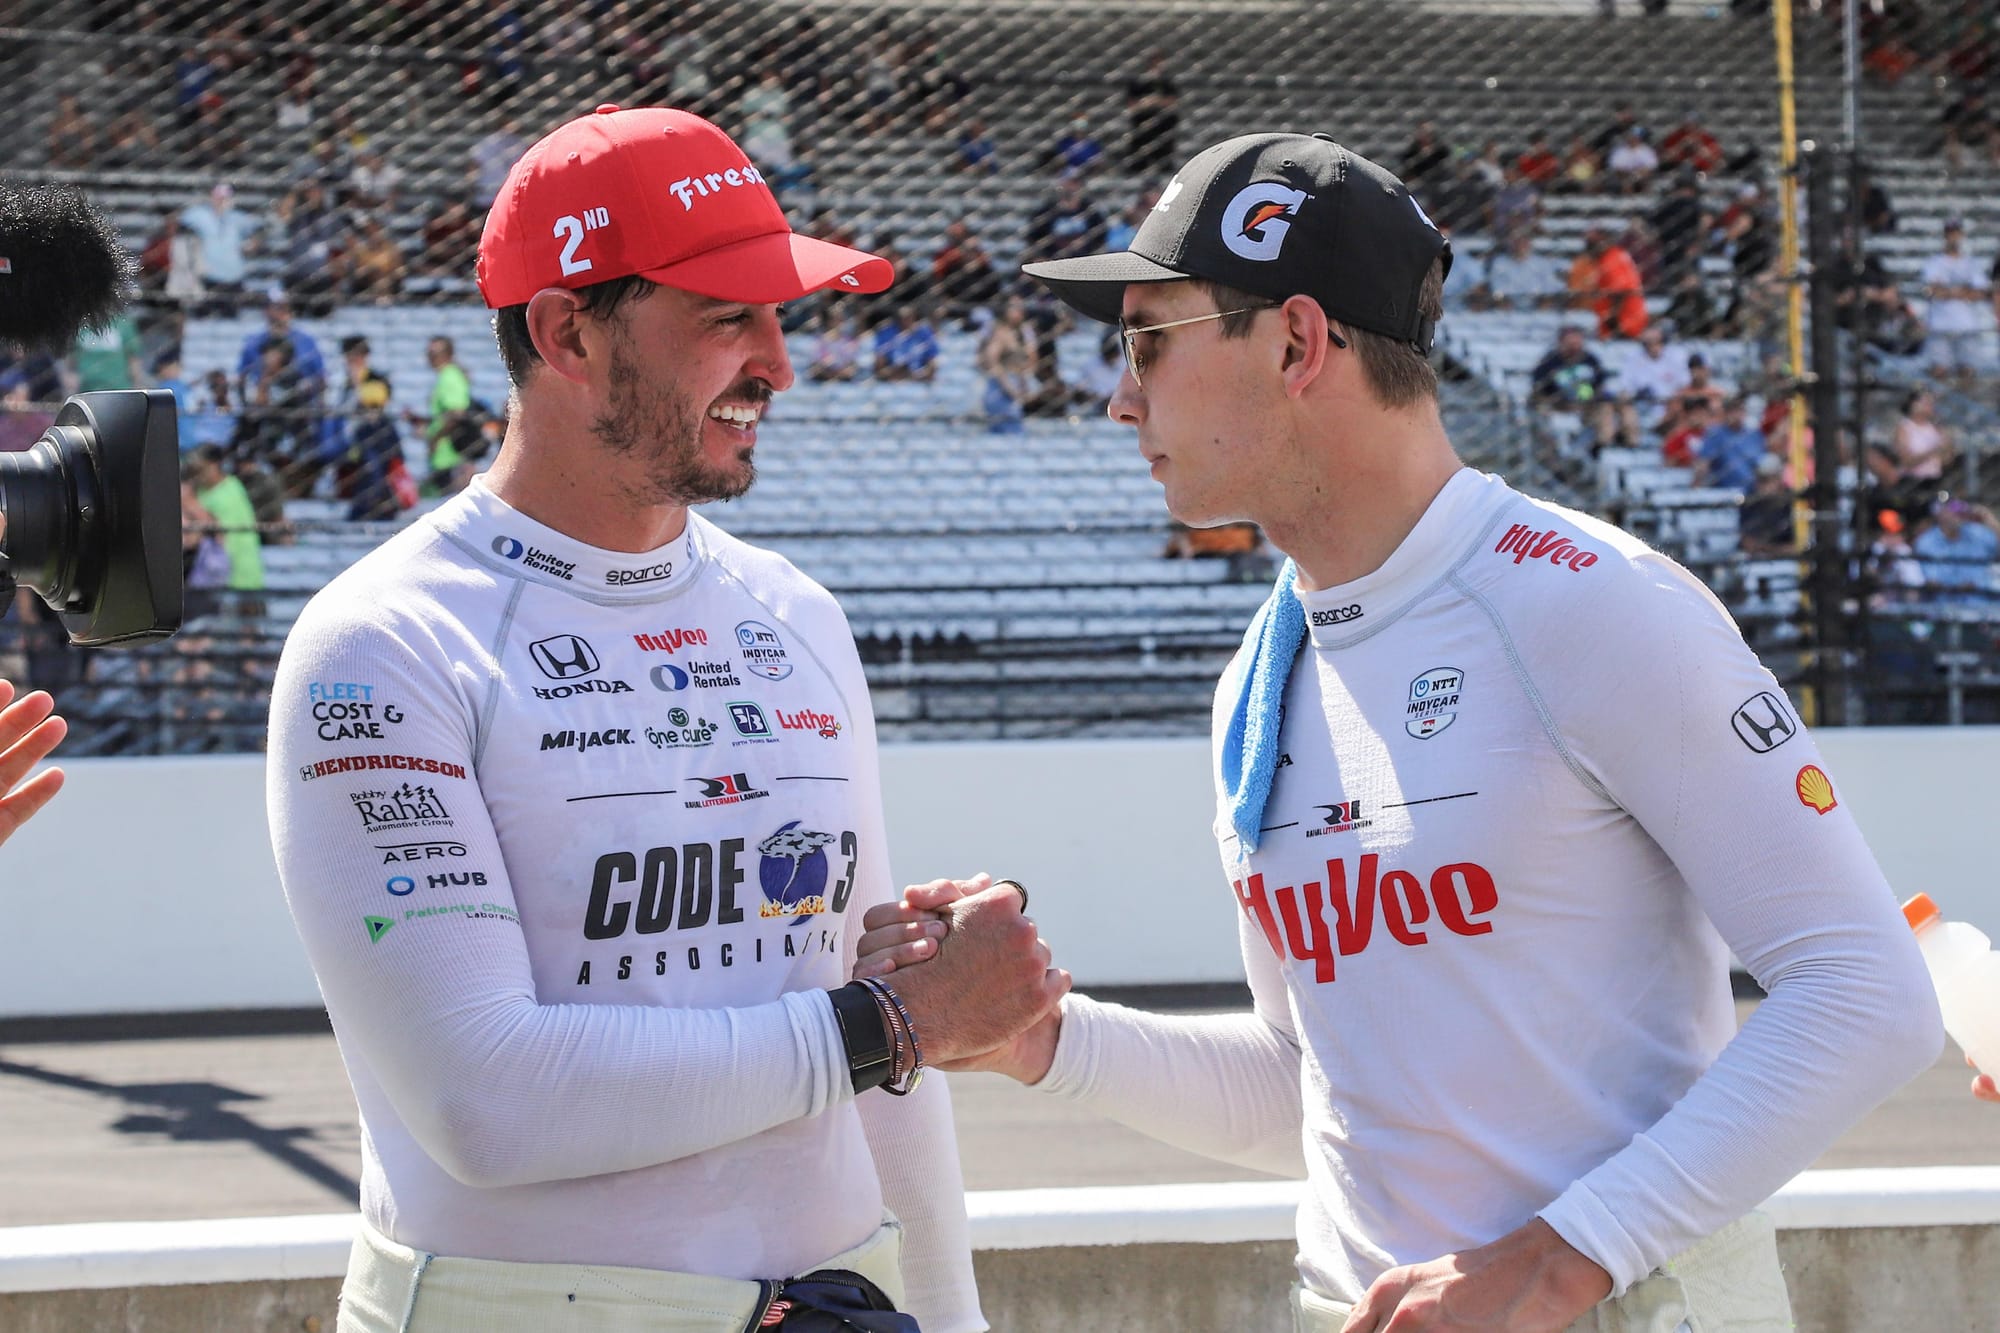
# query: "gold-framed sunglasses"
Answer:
x=1135 y=360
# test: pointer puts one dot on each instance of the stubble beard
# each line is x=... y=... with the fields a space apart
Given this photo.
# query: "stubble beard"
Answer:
x=660 y=427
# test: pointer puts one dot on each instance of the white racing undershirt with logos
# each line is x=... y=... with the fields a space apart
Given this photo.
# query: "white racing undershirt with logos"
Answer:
x=1533 y=789
x=577 y=841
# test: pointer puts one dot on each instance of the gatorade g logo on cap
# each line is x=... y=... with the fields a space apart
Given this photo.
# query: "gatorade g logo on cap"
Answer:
x=1254 y=224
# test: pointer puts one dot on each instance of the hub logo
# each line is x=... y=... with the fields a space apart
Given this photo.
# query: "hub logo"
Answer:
x=729 y=789
x=1433 y=704
x=750 y=724
x=564 y=657
x=762 y=650
x=401 y=885
x=792 y=871
x=471 y=878
x=533 y=557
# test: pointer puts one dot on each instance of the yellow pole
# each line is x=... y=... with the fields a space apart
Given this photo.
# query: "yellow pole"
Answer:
x=1795 y=296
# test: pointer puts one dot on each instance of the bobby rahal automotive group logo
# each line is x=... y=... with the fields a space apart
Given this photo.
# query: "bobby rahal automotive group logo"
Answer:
x=408 y=806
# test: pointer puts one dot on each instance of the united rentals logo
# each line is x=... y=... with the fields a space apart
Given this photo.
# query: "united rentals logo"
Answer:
x=1341 y=817
x=1338 y=616
x=729 y=789
x=586 y=740
x=1763 y=722
x=805 y=719
x=1256 y=221
x=672 y=678
x=406 y=807
x=671 y=640
x=1433 y=703
x=762 y=650
x=1525 y=543
x=535 y=558
x=362 y=763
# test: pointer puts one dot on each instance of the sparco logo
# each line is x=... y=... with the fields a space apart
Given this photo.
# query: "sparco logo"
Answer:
x=585 y=740
x=534 y=557
x=619 y=578
x=563 y=656
x=671 y=640
x=1524 y=543
x=1340 y=923
x=690 y=188
x=1763 y=722
x=1340 y=615
x=362 y=763
x=406 y=807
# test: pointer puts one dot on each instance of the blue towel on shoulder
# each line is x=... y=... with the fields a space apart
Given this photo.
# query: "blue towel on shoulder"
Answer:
x=1250 y=743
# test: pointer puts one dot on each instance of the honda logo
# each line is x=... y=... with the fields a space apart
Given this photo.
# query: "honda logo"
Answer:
x=563 y=657
x=1764 y=723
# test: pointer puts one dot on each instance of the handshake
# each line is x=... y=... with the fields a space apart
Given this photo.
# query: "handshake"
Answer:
x=973 y=973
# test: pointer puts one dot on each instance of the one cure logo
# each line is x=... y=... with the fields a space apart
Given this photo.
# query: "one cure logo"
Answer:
x=1460 y=896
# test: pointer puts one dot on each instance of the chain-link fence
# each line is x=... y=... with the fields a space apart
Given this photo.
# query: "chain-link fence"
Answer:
x=304 y=187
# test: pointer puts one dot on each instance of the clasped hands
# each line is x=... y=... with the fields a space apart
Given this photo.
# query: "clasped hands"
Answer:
x=973 y=971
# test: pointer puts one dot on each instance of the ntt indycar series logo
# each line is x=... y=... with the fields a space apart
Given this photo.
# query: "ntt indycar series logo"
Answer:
x=535 y=558
x=763 y=652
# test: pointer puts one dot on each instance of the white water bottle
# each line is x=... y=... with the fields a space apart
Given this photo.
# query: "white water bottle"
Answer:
x=1966 y=972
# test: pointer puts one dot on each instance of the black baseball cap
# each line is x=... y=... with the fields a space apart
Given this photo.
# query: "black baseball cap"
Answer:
x=1278 y=215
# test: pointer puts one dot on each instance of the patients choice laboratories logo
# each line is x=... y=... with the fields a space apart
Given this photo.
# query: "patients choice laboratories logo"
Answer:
x=1255 y=223
x=1433 y=704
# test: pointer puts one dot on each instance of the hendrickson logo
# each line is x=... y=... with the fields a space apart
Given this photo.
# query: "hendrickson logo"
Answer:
x=535 y=558
x=362 y=763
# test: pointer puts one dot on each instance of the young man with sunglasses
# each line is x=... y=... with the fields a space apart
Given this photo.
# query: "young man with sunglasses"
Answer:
x=575 y=800
x=1498 y=790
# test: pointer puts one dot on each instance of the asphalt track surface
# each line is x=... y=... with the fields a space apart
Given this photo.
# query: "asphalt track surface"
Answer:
x=245 y=1126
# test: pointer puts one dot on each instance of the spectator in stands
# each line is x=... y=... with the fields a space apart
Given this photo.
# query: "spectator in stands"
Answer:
x=1077 y=153
x=375 y=180
x=451 y=237
x=294 y=110
x=108 y=358
x=1729 y=452
x=1690 y=145
x=1520 y=278
x=1643 y=245
x=375 y=446
x=1539 y=165
x=1615 y=291
x=1490 y=170
x=1922 y=448
x=937 y=86
x=1066 y=225
x=1765 y=523
x=1897 y=575
x=1516 y=207
x=1651 y=375
x=1582 y=167
x=311 y=237
x=906 y=349
x=228 y=503
x=836 y=355
x=962 y=274
x=131 y=143
x=1623 y=121
x=376 y=262
x=1426 y=159
x=1153 y=118
x=1681 y=224
x=1878 y=212
x=194 y=71
x=1959 y=289
x=976 y=149
x=72 y=133
x=1100 y=378
x=1689 y=307
x=1701 y=384
x=1684 y=431
x=452 y=430
x=1241 y=544
x=1571 y=382
x=1868 y=303
x=266 y=485
x=213 y=420
x=1006 y=360
x=1957 y=551
x=493 y=156
x=1632 y=161
x=306 y=361
x=1122 y=228
x=1968 y=124
x=227 y=236
x=280 y=421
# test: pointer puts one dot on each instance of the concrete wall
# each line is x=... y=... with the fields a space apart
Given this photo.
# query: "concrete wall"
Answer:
x=1863 y=1251
x=149 y=886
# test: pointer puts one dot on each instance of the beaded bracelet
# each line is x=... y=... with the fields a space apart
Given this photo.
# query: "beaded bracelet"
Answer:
x=899 y=1018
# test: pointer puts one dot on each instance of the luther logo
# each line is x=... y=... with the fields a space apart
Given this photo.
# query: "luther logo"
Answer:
x=1257 y=220
x=563 y=657
x=1764 y=723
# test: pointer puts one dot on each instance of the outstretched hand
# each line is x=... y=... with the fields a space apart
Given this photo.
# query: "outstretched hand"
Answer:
x=29 y=729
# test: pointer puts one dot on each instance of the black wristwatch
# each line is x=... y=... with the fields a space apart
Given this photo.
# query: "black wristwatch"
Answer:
x=871 y=1053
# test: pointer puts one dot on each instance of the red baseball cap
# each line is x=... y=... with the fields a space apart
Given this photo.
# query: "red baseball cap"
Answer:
x=658 y=193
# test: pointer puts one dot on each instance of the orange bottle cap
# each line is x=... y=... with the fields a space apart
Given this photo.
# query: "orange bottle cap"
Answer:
x=1920 y=911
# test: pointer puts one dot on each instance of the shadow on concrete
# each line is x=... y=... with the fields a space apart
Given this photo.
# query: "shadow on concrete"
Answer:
x=199 y=1113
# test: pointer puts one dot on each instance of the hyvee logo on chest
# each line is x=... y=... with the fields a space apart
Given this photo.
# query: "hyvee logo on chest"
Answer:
x=1460 y=896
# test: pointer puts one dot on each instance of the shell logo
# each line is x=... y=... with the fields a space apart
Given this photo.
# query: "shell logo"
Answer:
x=1816 y=789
